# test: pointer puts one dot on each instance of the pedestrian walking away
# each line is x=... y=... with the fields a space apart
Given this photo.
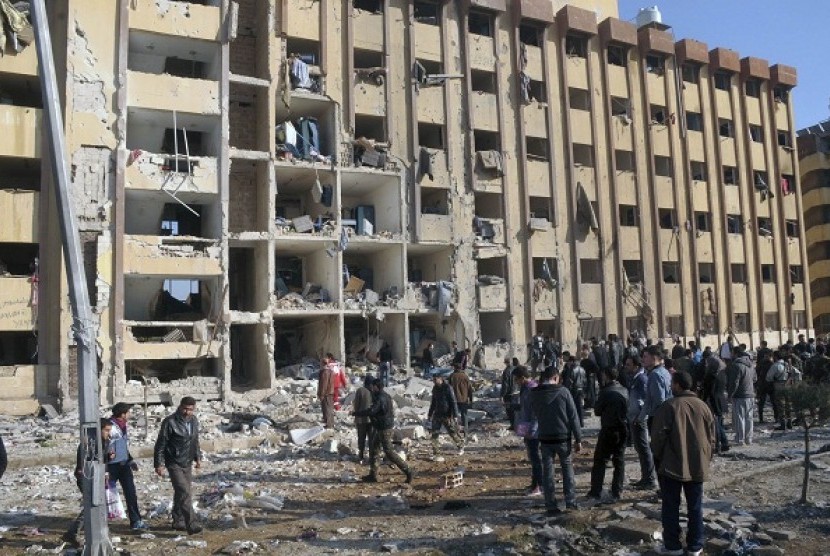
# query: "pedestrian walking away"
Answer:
x=443 y=412
x=86 y=455
x=177 y=451
x=659 y=383
x=326 y=385
x=121 y=466
x=363 y=401
x=382 y=416
x=637 y=385
x=558 y=428
x=612 y=409
x=463 y=390
x=526 y=428
x=741 y=388
x=683 y=441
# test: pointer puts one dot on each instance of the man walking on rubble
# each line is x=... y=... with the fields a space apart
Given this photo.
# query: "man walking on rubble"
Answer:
x=526 y=428
x=683 y=440
x=637 y=388
x=121 y=466
x=463 y=390
x=558 y=426
x=741 y=388
x=443 y=411
x=362 y=402
x=508 y=390
x=612 y=408
x=177 y=449
x=325 y=389
x=382 y=416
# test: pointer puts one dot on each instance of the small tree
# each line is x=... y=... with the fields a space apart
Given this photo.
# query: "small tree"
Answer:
x=810 y=404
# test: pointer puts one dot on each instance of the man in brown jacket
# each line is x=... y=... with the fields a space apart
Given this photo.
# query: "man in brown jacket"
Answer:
x=463 y=391
x=683 y=442
x=325 y=389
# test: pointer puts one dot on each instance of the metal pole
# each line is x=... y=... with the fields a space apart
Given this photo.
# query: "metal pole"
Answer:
x=96 y=533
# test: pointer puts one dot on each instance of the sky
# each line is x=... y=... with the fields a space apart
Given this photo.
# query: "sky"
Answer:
x=794 y=33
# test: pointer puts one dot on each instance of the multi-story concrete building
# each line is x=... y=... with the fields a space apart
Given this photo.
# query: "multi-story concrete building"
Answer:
x=260 y=182
x=814 y=155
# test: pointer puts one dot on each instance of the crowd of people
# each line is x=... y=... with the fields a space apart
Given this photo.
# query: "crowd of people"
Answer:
x=668 y=404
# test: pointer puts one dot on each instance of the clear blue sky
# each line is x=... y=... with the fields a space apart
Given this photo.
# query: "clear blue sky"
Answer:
x=794 y=33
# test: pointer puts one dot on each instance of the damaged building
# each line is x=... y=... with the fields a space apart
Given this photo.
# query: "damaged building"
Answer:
x=259 y=182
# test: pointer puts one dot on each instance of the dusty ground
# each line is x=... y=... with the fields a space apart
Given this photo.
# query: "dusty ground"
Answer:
x=327 y=510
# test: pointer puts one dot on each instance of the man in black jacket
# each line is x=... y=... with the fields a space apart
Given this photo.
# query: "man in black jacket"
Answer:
x=558 y=426
x=612 y=408
x=382 y=416
x=177 y=449
x=4 y=459
x=443 y=411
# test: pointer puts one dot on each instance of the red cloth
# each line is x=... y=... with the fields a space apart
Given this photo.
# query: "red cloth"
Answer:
x=785 y=186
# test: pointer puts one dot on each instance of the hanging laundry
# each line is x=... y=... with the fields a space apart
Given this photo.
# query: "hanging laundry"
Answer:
x=300 y=77
x=786 y=188
x=585 y=210
x=524 y=87
x=15 y=20
x=425 y=164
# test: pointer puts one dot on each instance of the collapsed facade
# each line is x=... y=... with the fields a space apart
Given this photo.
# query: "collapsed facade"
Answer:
x=258 y=183
x=814 y=160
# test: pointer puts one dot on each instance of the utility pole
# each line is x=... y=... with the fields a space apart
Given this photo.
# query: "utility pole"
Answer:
x=96 y=533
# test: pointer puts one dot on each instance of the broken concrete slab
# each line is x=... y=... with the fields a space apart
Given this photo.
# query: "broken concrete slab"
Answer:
x=781 y=535
x=634 y=530
x=304 y=436
x=476 y=414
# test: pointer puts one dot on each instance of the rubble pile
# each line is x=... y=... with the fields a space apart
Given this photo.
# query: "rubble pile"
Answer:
x=632 y=529
x=269 y=463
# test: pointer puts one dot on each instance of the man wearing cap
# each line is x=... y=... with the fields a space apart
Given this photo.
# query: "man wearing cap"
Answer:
x=382 y=415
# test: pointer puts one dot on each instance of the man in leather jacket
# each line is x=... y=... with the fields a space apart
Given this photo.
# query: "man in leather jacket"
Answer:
x=382 y=416
x=177 y=449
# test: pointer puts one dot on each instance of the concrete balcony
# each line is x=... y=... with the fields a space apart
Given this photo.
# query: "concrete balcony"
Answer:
x=485 y=108
x=171 y=256
x=534 y=68
x=172 y=93
x=368 y=30
x=428 y=41
x=535 y=119
x=159 y=340
x=543 y=244
x=497 y=225
x=723 y=102
x=16 y=311
x=482 y=52
x=656 y=87
x=152 y=172
x=436 y=227
x=581 y=127
x=618 y=81
x=20 y=210
x=492 y=297
x=545 y=307
x=577 y=72
x=20 y=129
x=183 y=19
x=430 y=101
x=538 y=178
x=370 y=99
x=17 y=389
x=440 y=170
x=302 y=20
x=22 y=63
